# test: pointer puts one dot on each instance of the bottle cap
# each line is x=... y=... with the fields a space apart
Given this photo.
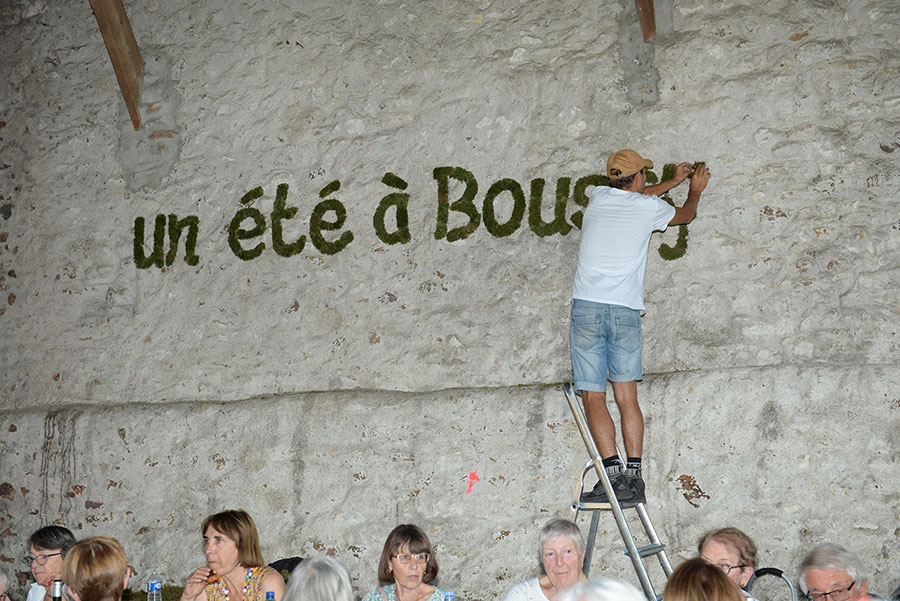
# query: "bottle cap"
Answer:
x=57 y=589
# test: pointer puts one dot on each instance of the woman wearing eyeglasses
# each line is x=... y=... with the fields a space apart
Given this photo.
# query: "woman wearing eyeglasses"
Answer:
x=407 y=568
x=731 y=551
x=46 y=549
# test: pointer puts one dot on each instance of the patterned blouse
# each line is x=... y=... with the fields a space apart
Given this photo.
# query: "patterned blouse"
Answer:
x=217 y=591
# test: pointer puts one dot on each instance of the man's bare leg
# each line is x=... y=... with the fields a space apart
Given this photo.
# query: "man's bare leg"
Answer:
x=603 y=430
x=633 y=434
x=600 y=422
x=625 y=394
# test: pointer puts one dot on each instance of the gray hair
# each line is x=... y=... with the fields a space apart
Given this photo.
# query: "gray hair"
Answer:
x=829 y=556
x=4 y=579
x=319 y=579
x=602 y=589
x=556 y=528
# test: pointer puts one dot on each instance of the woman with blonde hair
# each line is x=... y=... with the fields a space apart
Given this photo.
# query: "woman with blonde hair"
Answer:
x=698 y=580
x=96 y=569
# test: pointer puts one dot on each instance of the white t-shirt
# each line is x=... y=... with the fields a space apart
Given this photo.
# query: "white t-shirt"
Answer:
x=530 y=590
x=615 y=238
x=36 y=592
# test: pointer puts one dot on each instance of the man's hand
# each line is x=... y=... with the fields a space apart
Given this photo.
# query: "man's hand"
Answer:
x=686 y=213
x=699 y=181
x=682 y=171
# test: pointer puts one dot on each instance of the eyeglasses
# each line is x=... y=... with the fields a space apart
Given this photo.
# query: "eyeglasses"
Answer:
x=423 y=557
x=41 y=559
x=727 y=568
x=838 y=594
x=4 y=597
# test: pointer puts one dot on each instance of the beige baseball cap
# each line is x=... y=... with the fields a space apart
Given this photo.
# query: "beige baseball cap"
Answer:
x=624 y=163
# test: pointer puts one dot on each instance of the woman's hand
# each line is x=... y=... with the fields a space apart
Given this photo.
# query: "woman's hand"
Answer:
x=196 y=584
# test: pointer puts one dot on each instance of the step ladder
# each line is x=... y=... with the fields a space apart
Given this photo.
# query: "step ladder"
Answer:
x=635 y=553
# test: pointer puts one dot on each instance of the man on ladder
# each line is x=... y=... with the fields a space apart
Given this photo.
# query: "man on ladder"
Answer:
x=608 y=301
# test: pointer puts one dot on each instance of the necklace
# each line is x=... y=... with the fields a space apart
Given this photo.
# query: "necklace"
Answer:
x=244 y=590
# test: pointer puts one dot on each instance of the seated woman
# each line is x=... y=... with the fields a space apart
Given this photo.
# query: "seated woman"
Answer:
x=4 y=585
x=561 y=552
x=46 y=549
x=731 y=551
x=96 y=569
x=235 y=569
x=698 y=580
x=407 y=568
x=320 y=579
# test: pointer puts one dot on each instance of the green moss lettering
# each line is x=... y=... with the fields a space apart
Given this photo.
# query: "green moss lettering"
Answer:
x=318 y=223
x=464 y=205
x=141 y=260
x=670 y=253
x=400 y=202
x=236 y=233
x=559 y=225
x=497 y=229
x=192 y=222
x=279 y=213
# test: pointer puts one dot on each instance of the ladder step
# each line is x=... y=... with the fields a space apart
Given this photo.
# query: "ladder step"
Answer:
x=650 y=550
x=592 y=506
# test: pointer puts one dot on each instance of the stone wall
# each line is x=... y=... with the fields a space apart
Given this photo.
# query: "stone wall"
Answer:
x=355 y=384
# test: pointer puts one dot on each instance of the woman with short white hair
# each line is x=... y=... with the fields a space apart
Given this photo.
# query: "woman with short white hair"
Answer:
x=561 y=555
x=319 y=579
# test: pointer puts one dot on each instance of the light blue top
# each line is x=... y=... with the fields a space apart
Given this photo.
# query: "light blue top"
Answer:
x=390 y=592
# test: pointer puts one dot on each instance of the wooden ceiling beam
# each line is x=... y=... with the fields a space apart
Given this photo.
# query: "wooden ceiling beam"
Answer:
x=647 y=17
x=123 y=52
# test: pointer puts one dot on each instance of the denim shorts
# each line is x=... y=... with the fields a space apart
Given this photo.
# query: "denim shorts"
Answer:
x=605 y=342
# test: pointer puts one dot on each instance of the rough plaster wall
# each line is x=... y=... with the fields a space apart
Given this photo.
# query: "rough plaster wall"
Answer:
x=333 y=396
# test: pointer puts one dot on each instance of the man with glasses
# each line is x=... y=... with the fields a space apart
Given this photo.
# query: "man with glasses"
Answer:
x=608 y=302
x=832 y=573
x=47 y=547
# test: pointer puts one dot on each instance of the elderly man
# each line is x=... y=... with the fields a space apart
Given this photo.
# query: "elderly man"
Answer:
x=608 y=302
x=832 y=573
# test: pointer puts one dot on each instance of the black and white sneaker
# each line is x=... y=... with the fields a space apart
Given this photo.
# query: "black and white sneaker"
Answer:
x=621 y=488
x=637 y=485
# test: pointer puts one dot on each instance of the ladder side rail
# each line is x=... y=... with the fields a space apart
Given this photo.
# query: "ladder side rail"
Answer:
x=636 y=560
x=633 y=553
x=589 y=547
x=581 y=422
x=648 y=527
x=654 y=539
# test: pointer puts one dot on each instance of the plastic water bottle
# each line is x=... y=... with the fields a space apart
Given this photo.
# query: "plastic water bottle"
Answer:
x=448 y=595
x=154 y=587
